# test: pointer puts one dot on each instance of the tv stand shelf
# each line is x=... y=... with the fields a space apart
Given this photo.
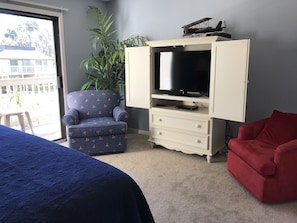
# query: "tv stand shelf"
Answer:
x=180 y=98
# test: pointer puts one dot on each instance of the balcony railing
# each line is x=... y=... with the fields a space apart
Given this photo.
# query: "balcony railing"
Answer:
x=37 y=95
x=32 y=69
x=26 y=71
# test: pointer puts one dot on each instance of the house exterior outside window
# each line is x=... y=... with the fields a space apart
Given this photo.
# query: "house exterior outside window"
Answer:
x=23 y=62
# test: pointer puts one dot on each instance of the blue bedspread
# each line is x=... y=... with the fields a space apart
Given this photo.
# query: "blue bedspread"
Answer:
x=42 y=181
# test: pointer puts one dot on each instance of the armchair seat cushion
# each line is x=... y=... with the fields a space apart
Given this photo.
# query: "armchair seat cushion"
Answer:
x=97 y=127
x=258 y=155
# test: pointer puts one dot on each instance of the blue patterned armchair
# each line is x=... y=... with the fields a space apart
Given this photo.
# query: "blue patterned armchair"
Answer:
x=95 y=122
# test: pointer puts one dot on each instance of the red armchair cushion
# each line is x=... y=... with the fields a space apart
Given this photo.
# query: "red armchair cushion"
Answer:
x=258 y=155
x=280 y=128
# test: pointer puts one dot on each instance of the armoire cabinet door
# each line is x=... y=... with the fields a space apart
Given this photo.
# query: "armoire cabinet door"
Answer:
x=229 y=78
x=137 y=77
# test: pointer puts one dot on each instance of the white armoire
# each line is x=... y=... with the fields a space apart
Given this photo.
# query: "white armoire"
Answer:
x=200 y=131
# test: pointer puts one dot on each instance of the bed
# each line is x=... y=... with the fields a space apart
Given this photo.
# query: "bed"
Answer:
x=42 y=181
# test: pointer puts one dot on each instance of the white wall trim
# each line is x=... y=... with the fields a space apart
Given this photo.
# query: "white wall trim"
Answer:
x=138 y=131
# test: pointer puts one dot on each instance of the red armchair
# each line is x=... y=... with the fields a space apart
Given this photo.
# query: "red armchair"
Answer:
x=263 y=158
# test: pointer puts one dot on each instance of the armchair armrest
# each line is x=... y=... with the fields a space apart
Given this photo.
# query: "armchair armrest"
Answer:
x=251 y=130
x=120 y=114
x=71 y=117
x=286 y=152
x=285 y=159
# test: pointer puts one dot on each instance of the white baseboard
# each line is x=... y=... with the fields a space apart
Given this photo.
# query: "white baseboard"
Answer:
x=138 y=131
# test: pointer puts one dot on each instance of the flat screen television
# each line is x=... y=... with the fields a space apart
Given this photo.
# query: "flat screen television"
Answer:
x=185 y=73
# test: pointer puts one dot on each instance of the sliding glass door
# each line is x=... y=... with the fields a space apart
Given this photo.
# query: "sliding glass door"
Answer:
x=31 y=74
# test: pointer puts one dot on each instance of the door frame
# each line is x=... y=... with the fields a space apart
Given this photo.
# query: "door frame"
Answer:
x=59 y=48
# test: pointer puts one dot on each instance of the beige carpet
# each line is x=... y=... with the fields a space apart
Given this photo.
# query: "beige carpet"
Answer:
x=184 y=188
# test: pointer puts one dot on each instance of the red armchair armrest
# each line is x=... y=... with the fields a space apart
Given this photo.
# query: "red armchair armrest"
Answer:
x=251 y=130
x=285 y=157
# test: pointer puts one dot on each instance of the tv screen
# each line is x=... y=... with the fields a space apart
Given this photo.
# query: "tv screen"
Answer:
x=183 y=72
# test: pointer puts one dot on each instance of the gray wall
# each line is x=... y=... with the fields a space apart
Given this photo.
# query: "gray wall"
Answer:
x=270 y=24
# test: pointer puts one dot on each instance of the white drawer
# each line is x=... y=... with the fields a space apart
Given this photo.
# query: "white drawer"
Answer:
x=196 y=141
x=197 y=125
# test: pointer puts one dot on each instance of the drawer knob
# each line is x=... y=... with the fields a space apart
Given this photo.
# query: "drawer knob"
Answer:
x=198 y=141
x=160 y=133
x=199 y=126
x=160 y=120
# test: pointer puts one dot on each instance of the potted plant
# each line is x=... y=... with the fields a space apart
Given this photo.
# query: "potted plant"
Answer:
x=105 y=68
